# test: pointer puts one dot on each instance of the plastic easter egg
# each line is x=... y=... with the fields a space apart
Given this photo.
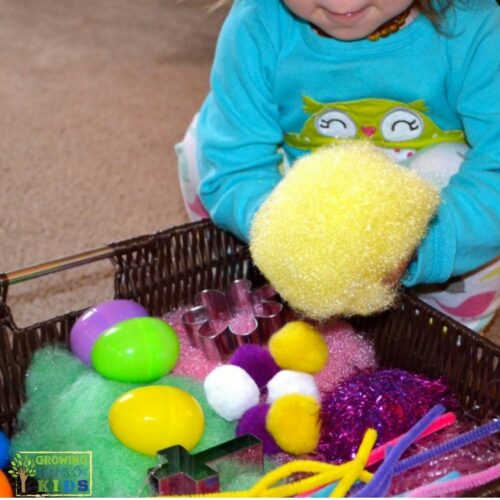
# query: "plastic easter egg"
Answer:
x=5 y=487
x=151 y=418
x=96 y=320
x=4 y=450
x=136 y=350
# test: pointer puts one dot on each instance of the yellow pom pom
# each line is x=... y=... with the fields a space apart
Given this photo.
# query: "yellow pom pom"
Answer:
x=299 y=346
x=341 y=221
x=293 y=421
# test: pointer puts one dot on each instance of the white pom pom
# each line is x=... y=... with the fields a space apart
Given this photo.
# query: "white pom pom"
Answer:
x=230 y=391
x=291 y=382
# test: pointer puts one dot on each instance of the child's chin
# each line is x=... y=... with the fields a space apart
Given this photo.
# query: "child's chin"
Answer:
x=345 y=35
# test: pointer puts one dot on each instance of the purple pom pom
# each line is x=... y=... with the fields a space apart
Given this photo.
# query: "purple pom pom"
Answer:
x=253 y=422
x=389 y=401
x=257 y=362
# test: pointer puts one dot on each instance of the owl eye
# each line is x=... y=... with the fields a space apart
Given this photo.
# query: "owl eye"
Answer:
x=334 y=123
x=401 y=125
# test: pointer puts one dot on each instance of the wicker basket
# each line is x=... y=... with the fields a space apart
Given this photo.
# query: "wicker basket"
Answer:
x=163 y=271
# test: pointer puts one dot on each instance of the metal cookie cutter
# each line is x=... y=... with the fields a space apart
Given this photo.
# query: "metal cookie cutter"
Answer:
x=223 y=321
x=180 y=473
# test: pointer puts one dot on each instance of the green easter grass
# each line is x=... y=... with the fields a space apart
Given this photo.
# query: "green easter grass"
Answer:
x=67 y=410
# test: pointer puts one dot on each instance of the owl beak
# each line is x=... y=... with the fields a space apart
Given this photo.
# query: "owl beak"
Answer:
x=368 y=131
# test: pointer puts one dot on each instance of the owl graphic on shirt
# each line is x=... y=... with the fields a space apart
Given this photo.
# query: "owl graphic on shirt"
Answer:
x=400 y=129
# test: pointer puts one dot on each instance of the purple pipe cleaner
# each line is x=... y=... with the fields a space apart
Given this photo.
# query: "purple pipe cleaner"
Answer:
x=443 y=448
x=467 y=458
x=379 y=485
x=381 y=480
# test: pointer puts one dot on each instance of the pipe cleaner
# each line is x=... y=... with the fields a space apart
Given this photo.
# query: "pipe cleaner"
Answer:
x=459 y=485
x=440 y=423
x=358 y=466
x=380 y=482
x=379 y=485
x=323 y=473
x=353 y=469
x=378 y=453
x=448 y=477
x=441 y=449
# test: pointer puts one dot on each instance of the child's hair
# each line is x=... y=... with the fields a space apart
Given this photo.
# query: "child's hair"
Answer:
x=434 y=11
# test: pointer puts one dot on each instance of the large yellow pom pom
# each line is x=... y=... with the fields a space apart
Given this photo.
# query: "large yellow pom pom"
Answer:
x=340 y=222
x=293 y=421
x=299 y=346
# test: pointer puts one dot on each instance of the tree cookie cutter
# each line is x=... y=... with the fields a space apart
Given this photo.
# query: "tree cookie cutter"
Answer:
x=222 y=321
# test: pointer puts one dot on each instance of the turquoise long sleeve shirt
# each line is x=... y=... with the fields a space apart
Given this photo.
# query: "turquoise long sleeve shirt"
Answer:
x=272 y=72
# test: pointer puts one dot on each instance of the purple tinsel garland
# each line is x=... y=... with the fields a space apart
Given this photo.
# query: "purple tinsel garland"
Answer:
x=389 y=401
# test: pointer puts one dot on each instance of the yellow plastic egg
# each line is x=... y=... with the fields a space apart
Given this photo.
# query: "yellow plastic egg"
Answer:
x=154 y=417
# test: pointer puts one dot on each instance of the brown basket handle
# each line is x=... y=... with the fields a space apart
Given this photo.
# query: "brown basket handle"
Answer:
x=43 y=269
x=4 y=287
x=5 y=314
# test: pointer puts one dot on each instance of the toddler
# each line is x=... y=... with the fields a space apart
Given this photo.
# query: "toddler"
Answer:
x=420 y=79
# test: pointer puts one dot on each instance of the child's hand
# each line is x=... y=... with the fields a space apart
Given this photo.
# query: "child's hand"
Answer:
x=394 y=278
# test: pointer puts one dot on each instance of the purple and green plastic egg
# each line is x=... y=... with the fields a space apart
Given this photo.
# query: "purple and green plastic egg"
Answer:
x=136 y=350
x=96 y=320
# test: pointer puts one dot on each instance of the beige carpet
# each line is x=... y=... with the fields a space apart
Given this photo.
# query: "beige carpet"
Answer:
x=94 y=95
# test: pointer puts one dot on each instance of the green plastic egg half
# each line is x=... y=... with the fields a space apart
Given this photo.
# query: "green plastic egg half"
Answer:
x=136 y=350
